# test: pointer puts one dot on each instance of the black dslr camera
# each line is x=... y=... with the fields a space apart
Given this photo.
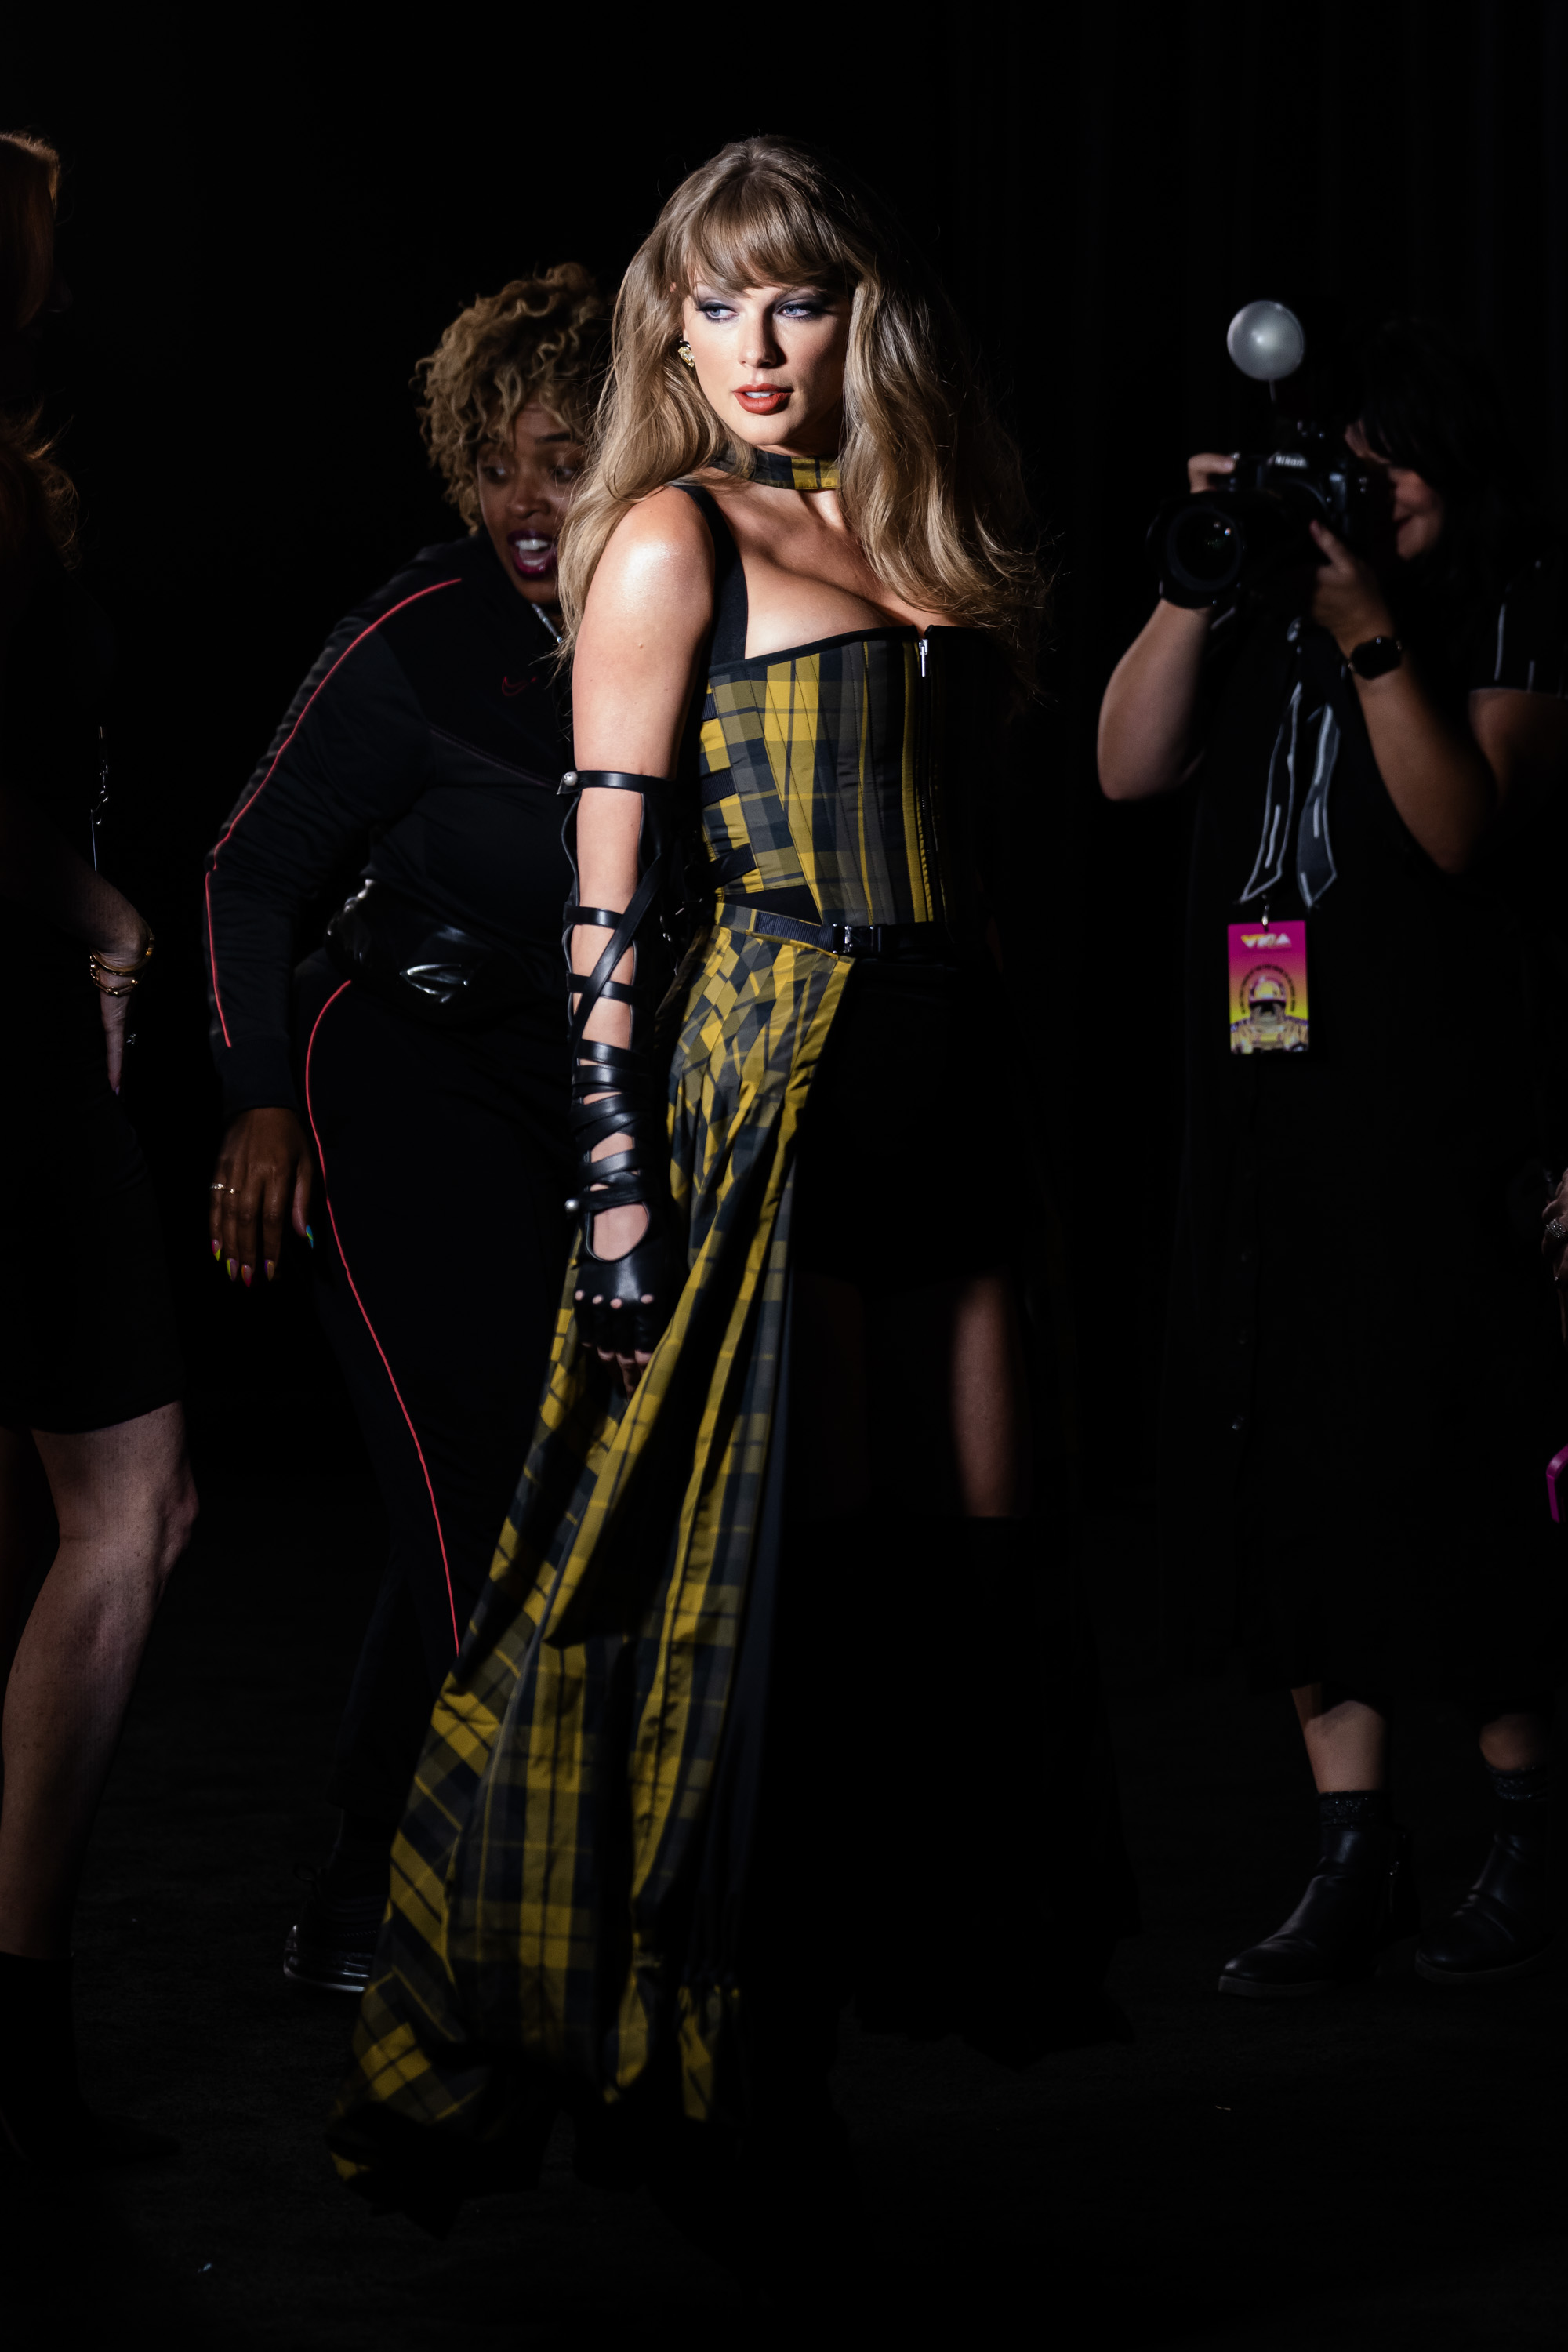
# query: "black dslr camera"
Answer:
x=1253 y=522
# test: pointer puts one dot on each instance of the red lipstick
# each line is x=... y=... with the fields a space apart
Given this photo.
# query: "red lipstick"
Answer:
x=761 y=399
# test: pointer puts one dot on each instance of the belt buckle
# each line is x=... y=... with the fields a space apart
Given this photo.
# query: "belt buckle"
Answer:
x=856 y=939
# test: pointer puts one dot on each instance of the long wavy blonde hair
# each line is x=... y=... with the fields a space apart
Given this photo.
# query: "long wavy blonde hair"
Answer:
x=930 y=484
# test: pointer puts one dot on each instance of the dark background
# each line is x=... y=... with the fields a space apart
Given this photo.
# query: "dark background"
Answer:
x=262 y=239
x=264 y=231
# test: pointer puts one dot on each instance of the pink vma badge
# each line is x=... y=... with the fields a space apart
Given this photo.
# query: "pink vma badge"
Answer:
x=1268 y=987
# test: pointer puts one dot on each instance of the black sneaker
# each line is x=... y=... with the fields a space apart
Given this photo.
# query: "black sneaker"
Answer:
x=331 y=1944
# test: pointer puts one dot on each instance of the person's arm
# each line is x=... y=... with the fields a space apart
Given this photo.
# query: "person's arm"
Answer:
x=1446 y=781
x=348 y=754
x=39 y=868
x=634 y=672
x=1146 y=716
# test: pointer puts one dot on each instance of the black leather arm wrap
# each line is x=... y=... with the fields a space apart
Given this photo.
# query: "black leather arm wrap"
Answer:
x=623 y=1304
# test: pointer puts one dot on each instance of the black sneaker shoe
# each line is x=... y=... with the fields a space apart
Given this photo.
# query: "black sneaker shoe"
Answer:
x=331 y=1944
x=1502 y=1929
x=1359 y=1905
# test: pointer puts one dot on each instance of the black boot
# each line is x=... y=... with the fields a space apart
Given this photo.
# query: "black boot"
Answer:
x=44 y=2119
x=1359 y=1901
x=1502 y=1929
x=332 y=1942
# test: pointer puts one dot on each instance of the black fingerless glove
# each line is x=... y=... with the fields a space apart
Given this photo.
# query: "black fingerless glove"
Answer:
x=624 y=1303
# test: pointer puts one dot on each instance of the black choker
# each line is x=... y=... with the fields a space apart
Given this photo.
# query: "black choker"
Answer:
x=784 y=473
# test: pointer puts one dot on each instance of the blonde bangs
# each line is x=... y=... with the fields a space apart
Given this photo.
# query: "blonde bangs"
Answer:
x=759 y=232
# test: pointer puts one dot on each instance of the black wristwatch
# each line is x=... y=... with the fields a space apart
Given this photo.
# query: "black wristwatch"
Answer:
x=1376 y=656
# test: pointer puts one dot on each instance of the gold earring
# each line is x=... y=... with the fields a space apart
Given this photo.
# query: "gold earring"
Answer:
x=683 y=352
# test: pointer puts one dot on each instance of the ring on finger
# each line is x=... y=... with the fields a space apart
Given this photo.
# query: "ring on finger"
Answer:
x=1557 y=1233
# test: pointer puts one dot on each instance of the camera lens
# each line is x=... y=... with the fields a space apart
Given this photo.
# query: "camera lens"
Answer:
x=1204 y=548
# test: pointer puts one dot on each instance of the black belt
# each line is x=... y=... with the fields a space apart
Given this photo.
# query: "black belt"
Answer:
x=841 y=938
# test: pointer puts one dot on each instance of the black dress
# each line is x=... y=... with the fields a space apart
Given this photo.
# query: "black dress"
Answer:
x=1364 y=1376
x=87 y=1325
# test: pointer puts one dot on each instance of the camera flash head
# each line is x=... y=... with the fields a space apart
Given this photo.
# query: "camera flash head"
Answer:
x=1266 y=341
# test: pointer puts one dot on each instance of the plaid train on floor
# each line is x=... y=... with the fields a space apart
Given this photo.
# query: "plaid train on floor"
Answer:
x=558 y=1808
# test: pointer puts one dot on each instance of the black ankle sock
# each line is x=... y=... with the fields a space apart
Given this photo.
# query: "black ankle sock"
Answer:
x=1356 y=1809
x=1522 y=1798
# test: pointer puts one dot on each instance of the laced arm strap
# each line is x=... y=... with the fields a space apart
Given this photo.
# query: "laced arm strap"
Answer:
x=637 y=1290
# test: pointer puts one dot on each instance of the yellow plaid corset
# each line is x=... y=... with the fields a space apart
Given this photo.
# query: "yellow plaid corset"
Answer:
x=819 y=780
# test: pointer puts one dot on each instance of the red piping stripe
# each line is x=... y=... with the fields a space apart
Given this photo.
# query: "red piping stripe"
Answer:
x=368 y=631
x=359 y=1302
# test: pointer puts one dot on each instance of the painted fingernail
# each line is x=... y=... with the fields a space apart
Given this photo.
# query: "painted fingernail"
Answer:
x=270 y=1270
x=245 y=1276
x=233 y=1269
x=310 y=1236
x=217 y=1249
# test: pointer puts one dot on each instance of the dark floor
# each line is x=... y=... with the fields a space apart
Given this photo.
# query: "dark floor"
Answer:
x=1383 y=2168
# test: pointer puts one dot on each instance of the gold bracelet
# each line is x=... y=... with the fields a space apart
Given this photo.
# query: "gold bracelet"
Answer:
x=122 y=971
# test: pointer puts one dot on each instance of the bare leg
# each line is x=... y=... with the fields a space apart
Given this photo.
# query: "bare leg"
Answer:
x=1347 y=1745
x=26 y=1532
x=988 y=1401
x=950 y=1431
x=955 y=1427
x=1515 y=1743
x=125 y=1504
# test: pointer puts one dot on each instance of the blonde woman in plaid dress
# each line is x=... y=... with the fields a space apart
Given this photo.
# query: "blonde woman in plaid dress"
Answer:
x=778 y=1697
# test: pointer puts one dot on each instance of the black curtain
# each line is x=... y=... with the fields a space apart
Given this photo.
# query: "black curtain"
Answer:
x=267 y=220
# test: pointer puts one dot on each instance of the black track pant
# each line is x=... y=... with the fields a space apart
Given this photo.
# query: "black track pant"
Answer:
x=440 y=1249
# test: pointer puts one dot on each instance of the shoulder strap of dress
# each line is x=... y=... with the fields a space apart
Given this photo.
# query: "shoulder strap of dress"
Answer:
x=729 y=607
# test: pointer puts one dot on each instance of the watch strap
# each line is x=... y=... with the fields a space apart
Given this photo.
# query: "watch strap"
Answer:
x=1375 y=657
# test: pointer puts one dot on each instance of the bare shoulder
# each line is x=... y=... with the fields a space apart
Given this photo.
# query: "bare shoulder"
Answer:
x=657 y=571
x=664 y=529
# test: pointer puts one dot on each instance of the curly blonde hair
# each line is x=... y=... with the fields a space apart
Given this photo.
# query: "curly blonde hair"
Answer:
x=541 y=339
x=931 y=485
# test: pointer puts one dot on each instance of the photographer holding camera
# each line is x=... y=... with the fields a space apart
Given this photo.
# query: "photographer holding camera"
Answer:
x=1364 y=1380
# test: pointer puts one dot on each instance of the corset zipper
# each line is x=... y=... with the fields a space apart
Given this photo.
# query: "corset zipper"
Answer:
x=925 y=791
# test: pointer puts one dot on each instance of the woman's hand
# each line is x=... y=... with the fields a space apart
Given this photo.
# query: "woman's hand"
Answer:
x=1347 y=595
x=124 y=947
x=611 y=1233
x=1201 y=470
x=264 y=1170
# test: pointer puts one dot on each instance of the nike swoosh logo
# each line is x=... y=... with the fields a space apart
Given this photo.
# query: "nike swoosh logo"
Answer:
x=515 y=686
